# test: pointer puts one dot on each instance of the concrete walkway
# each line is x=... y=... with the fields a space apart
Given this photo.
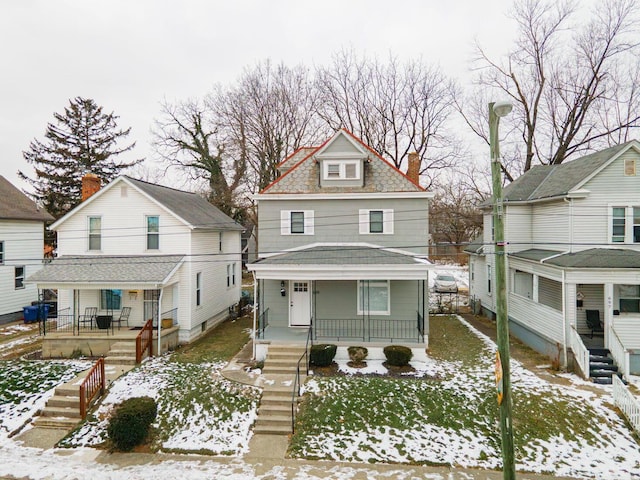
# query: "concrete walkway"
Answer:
x=266 y=458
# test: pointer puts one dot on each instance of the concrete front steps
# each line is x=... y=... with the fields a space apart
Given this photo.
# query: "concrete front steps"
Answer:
x=274 y=412
x=63 y=409
x=121 y=353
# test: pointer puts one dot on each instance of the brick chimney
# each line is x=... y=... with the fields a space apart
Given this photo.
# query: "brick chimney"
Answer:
x=90 y=185
x=413 y=170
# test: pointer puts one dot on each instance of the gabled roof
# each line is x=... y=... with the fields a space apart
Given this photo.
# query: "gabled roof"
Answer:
x=15 y=205
x=153 y=269
x=303 y=177
x=553 y=181
x=192 y=209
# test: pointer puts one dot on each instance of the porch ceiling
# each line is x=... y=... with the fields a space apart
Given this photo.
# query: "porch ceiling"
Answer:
x=94 y=271
x=342 y=262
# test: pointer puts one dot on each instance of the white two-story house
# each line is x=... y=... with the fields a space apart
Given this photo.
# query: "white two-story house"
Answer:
x=22 y=225
x=160 y=252
x=342 y=240
x=573 y=243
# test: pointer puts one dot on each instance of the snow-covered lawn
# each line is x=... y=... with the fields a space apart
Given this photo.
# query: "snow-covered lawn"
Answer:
x=444 y=413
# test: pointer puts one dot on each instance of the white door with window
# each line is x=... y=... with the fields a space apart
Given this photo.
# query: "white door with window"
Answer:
x=299 y=303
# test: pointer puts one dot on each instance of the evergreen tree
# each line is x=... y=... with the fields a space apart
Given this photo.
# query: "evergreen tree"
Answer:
x=81 y=140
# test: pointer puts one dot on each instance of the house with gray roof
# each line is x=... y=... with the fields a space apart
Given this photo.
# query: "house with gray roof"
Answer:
x=22 y=226
x=155 y=251
x=573 y=246
x=342 y=251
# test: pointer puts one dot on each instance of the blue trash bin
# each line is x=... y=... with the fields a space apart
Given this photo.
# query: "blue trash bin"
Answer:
x=30 y=314
x=43 y=312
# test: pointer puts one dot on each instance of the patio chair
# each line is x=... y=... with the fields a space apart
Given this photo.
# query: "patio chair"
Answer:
x=593 y=321
x=124 y=317
x=88 y=317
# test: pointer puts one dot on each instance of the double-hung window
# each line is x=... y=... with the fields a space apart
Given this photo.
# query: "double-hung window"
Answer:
x=341 y=170
x=629 y=298
x=153 y=232
x=373 y=297
x=1 y=253
x=489 y=279
x=18 y=276
x=198 y=288
x=376 y=221
x=296 y=222
x=228 y=275
x=618 y=224
x=95 y=233
x=625 y=224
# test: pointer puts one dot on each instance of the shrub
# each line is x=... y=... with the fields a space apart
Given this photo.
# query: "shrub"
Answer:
x=398 y=355
x=129 y=424
x=357 y=354
x=322 y=355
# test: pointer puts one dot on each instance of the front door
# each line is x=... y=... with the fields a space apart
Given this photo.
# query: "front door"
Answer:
x=299 y=304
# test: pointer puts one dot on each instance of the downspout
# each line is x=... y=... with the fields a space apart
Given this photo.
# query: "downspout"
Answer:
x=564 y=321
x=160 y=322
x=255 y=299
x=570 y=202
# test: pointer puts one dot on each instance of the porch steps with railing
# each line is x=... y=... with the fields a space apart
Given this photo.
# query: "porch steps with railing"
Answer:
x=121 y=353
x=601 y=366
x=62 y=410
x=274 y=412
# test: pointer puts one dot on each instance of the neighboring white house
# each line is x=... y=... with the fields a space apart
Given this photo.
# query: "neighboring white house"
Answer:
x=163 y=252
x=573 y=243
x=21 y=249
x=342 y=251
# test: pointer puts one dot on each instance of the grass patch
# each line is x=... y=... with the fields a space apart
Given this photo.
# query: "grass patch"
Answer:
x=220 y=344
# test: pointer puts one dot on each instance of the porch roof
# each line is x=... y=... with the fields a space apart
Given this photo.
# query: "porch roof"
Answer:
x=107 y=270
x=536 y=254
x=344 y=262
x=608 y=258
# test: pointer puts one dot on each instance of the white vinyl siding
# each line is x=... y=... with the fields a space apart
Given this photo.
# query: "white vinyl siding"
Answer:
x=296 y=222
x=367 y=221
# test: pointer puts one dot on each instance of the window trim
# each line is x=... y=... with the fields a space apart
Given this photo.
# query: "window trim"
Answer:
x=228 y=275
x=489 y=269
x=94 y=235
x=18 y=280
x=1 y=252
x=626 y=221
x=387 y=221
x=104 y=304
x=285 y=222
x=342 y=169
x=359 y=307
x=151 y=234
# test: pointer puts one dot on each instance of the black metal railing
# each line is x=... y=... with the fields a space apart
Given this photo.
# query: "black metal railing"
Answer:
x=420 y=324
x=263 y=323
x=297 y=383
x=67 y=322
x=367 y=329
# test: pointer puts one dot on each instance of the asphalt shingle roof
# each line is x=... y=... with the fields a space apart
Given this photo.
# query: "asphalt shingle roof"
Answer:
x=340 y=255
x=189 y=206
x=599 y=258
x=15 y=205
x=535 y=254
x=105 y=269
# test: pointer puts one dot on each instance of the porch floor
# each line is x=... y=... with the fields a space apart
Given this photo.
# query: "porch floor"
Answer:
x=595 y=342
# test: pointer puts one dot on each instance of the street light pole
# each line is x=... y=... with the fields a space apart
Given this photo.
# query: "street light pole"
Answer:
x=503 y=368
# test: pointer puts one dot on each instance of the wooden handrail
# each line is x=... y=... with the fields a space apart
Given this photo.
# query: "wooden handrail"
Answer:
x=144 y=340
x=93 y=383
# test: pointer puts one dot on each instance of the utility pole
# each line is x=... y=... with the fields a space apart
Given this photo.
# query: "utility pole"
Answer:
x=503 y=368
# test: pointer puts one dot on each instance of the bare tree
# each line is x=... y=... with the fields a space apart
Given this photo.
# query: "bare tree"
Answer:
x=395 y=108
x=187 y=136
x=574 y=87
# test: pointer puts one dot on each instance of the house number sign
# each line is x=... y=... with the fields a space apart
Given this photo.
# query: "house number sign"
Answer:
x=499 y=386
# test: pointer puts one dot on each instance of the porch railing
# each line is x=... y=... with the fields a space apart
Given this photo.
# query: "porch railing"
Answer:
x=297 y=383
x=627 y=402
x=365 y=329
x=170 y=315
x=67 y=322
x=618 y=352
x=580 y=352
x=93 y=384
x=263 y=323
x=144 y=340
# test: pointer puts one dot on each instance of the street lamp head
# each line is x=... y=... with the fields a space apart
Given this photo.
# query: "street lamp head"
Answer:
x=502 y=109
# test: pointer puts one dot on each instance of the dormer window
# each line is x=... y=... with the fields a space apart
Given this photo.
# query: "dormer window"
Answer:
x=342 y=170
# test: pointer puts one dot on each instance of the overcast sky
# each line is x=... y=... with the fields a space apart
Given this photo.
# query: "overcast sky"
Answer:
x=128 y=55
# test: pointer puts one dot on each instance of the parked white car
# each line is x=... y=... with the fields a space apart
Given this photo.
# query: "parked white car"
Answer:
x=445 y=283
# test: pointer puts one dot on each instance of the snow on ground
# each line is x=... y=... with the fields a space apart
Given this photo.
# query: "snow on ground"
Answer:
x=617 y=459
